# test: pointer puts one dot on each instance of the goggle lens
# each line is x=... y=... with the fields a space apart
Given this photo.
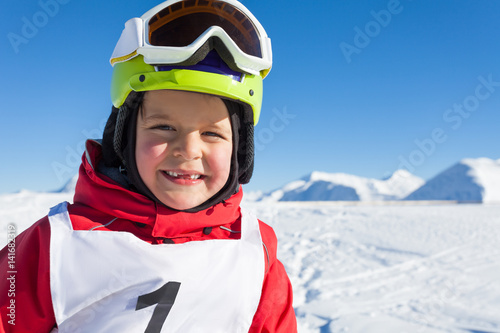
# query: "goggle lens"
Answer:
x=182 y=23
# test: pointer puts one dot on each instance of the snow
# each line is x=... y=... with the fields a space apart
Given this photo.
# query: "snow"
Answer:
x=322 y=186
x=469 y=180
x=69 y=187
x=486 y=172
x=370 y=268
x=378 y=268
x=24 y=208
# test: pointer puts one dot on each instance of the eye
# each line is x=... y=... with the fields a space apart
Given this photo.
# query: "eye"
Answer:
x=214 y=134
x=163 y=127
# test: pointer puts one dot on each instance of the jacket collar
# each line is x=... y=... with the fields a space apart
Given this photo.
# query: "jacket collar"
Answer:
x=101 y=193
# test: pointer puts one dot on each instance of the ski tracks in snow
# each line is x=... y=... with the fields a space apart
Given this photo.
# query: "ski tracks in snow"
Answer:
x=391 y=268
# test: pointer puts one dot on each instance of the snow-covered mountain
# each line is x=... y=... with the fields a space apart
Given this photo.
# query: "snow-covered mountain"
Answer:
x=321 y=186
x=476 y=180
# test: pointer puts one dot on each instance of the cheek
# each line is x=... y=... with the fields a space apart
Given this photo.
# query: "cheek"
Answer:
x=148 y=153
x=220 y=162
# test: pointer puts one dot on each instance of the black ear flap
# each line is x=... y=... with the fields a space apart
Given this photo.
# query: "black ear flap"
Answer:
x=108 y=153
x=241 y=116
x=245 y=150
x=247 y=155
x=114 y=138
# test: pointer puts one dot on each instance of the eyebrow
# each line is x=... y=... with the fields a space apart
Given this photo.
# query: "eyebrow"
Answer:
x=154 y=116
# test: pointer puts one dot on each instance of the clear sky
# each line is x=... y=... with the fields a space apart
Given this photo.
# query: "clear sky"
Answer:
x=361 y=87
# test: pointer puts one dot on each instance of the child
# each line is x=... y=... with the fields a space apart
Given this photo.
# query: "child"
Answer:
x=156 y=239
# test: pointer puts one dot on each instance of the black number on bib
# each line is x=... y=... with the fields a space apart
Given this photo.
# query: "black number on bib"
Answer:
x=164 y=297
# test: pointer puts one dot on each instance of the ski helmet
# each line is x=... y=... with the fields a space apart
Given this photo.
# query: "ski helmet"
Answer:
x=182 y=33
x=214 y=47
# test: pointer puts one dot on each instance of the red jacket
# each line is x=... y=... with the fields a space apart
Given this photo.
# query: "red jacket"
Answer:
x=97 y=201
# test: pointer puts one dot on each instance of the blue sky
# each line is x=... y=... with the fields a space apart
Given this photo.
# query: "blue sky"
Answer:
x=361 y=87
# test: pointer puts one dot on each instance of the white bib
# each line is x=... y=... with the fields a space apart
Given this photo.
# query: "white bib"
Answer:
x=108 y=281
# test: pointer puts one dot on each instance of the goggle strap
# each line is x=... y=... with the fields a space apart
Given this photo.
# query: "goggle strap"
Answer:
x=130 y=40
x=124 y=58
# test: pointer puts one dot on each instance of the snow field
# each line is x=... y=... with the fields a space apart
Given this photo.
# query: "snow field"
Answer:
x=414 y=269
x=367 y=268
x=25 y=208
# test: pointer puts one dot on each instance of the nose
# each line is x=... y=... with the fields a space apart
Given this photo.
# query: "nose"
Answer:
x=188 y=146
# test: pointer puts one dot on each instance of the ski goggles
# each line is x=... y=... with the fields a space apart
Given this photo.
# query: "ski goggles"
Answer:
x=182 y=32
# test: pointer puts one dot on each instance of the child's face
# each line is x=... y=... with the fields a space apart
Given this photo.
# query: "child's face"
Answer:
x=183 y=146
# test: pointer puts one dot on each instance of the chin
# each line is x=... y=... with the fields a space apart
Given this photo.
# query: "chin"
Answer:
x=181 y=204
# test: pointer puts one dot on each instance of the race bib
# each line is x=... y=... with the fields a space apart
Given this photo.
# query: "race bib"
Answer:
x=108 y=281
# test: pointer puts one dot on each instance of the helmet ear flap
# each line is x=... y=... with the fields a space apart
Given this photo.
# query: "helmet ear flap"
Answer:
x=109 y=156
x=246 y=151
x=241 y=116
x=114 y=138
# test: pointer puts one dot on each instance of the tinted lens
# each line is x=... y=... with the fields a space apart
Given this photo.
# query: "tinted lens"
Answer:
x=183 y=22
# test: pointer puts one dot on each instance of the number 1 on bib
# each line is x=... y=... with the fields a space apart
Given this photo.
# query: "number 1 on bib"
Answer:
x=165 y=298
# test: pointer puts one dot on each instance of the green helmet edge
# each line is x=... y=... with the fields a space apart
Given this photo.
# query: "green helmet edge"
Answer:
x=136 y=75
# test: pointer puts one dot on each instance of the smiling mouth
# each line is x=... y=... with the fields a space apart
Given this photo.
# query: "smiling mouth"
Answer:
x=184 y=176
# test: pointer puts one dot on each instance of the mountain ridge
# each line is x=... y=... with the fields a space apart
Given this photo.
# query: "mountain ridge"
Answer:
x=469 y=180
x=323 y=186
